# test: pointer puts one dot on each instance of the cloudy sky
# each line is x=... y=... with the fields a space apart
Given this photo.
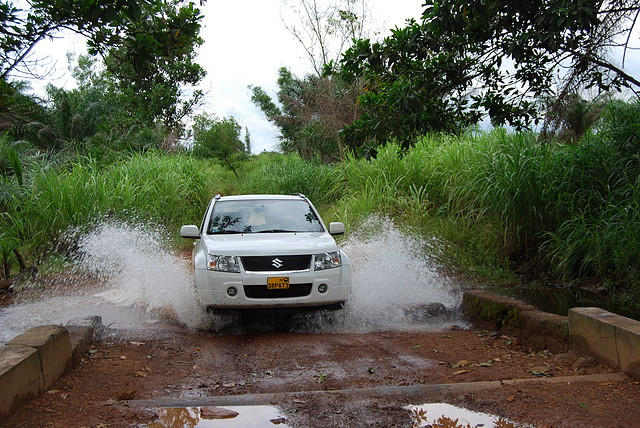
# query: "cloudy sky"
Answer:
x=245 y=44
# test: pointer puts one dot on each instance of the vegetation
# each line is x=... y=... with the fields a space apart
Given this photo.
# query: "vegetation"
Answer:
x=147 y=52
x=389 y=130
x=217 y=138
x=500 y=58
x=499 y=202
x=312 y=113
x=53 y=202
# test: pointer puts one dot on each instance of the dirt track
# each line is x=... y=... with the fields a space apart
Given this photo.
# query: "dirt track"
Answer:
x=330 y=380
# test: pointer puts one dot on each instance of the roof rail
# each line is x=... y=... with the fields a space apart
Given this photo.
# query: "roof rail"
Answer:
x=300 y=194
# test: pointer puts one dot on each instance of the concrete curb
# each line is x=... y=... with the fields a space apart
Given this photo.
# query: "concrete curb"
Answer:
x=33 y=361
x=434 y=392
x=611 y=338
x=539 y=329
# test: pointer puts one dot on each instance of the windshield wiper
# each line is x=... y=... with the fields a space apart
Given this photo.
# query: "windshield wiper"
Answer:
x=226 y=232
x=277 y=231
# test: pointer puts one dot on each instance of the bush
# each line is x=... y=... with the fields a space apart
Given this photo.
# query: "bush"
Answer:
x=165 y=190
x=291 y=175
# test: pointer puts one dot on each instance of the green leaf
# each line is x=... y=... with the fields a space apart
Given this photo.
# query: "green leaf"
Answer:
x=321 y=377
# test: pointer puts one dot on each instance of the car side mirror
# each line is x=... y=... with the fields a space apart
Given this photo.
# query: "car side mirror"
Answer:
x=190 y=231
x=336 y=228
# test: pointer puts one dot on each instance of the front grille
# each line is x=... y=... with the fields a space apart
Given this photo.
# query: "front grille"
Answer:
x=276 y=263
x=261 y=291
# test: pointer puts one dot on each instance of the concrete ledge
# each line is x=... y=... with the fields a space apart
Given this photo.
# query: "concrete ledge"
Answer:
x=611 y=338
x=54 y=350
x=32 y=362
x=540 y=329
x=20 y=377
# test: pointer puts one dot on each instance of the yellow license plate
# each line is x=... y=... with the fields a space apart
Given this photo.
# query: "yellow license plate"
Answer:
x=278 y=283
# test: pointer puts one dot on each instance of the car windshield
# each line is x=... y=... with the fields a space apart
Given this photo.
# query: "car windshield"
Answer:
x=263 y=216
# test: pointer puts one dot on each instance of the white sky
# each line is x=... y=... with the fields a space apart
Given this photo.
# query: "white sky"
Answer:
x=245 y=44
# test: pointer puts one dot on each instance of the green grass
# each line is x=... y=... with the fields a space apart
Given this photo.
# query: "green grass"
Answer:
x=291 y=175
x=165 y=190
x=497 y=201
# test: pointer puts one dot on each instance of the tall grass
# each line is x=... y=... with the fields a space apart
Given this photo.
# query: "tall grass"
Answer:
x=598 y=186
x=505 y=200
x=497 y=200
x=478 y=192
x=163 y=190
x=291 y=175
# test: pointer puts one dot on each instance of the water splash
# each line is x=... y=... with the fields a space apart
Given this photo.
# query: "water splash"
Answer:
x=129 y=278
x=143 y=288
x=140 y=272
x=395 y=282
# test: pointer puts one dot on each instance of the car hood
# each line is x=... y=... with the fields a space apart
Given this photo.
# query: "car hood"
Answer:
x=265 y=244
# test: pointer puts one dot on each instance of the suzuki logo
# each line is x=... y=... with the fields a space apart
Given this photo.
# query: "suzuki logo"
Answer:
x=277 y=263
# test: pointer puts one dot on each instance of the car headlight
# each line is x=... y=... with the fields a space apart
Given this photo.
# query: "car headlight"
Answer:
x=223 y=263
x=328 y=260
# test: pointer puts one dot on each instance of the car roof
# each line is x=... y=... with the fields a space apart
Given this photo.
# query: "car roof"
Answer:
x=251 y=197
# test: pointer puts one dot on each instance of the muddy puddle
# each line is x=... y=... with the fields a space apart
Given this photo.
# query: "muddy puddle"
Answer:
x=431 y=415
x=223 y=417
x=444 y=415
x=138 y=287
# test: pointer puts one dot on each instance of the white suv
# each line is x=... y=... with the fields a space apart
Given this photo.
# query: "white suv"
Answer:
x=267 y=252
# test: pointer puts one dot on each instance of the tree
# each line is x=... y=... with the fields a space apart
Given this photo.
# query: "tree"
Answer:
x=409 y=89
x=148 y=48
x=325 y=28
x=217 y=138
x=17 y=108
x=247 y=141
x=22 y=29
x=151 y=60
x=312 y=114
x=572 y=118
x=496 y=57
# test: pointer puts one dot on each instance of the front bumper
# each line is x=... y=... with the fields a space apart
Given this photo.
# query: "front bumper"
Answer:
x=248 y=290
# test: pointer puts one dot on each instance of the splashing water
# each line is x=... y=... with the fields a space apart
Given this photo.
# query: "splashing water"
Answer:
x=395 y=282
x=137 y=287
x=145 y=288
x=141 y=272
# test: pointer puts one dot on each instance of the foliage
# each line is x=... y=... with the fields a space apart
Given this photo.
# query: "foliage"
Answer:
x=289 y=174
x=53 y=202
x=506 y=200
x=408 y=88
x=324 y=28
x=17 y=108
x=495 y=201
x=22 y=29
x=148 y=50
x=217 y=138
x=149 y=60
x=311 y=114
x=468 y=58
x=598 y=201
x=570 y=118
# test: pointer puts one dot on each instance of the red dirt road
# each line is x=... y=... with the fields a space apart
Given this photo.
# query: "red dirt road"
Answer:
x=331 y=380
